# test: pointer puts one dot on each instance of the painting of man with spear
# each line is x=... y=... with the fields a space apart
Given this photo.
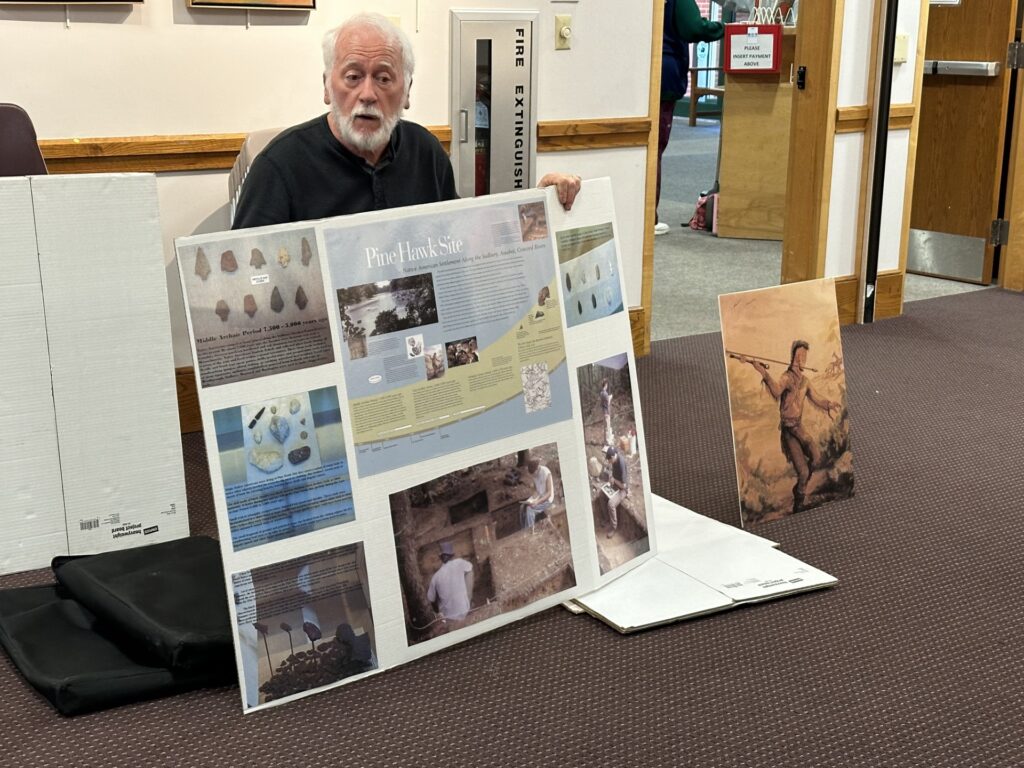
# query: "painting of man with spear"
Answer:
x=814 y=464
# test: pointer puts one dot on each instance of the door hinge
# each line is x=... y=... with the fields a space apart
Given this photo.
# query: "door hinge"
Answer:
x=1015 y=55
x=1000 y=232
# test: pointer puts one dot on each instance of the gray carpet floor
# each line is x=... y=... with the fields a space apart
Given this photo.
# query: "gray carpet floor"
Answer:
x=913 y=661
x=692 y=268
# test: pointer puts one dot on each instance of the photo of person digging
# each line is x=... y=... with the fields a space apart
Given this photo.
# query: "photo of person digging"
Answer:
x=614 y=465
x=481 y=541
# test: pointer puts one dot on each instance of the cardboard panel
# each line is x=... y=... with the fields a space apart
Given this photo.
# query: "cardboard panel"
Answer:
x=31 y=506
x=105 y=296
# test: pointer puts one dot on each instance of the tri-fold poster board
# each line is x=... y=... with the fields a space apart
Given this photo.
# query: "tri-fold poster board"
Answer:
x=703 y=566
x=421 y=424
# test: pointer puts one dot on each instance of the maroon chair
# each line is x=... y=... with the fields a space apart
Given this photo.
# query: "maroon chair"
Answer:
x=19 y=150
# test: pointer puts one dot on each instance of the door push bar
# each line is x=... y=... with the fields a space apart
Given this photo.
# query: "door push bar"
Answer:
x=969 y=68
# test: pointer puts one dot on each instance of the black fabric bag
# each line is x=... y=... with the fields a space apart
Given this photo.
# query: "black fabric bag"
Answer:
x=68 y=657
x=167 y=600
x=123 y=626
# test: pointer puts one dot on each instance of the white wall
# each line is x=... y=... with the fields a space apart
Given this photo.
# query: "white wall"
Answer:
x=854 y=62
x=897 y=158
x=841 y=255
x=162 y=68
x=908 y=21
x=856 y=49
x=841 y=252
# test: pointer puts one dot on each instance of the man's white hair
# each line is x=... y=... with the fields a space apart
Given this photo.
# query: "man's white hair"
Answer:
x=391 y=33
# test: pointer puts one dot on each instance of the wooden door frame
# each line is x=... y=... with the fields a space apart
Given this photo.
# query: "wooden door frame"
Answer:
x=915 y=124
x=812 y=141
x=1011 y=261
x=1011 y=258
x=889 y=285
x=640 y=317
x=814 y=130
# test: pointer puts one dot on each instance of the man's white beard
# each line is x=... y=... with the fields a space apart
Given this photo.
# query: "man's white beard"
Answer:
x=366 y=142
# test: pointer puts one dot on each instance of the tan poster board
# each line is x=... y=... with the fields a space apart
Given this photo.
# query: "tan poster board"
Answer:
x=787 y=398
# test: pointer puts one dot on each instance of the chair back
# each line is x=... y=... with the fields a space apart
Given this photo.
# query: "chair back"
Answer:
x=254 y=144
x=19 y=150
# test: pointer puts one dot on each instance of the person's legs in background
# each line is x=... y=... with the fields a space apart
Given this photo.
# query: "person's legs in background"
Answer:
x=668 y=108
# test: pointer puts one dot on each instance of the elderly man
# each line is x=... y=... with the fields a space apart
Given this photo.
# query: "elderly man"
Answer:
x=360 y=156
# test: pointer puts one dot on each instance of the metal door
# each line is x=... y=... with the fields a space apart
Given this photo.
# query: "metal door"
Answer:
x=493 y=112
x=954 y=221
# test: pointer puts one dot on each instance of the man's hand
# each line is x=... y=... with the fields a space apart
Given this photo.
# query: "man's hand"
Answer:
x=745 y=359
x=568 y=187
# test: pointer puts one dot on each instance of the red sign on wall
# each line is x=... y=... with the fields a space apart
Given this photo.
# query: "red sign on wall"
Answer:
x=753 y=47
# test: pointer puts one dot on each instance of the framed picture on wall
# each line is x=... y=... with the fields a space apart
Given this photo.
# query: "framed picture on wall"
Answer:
x=277 y=5
x=71 y=2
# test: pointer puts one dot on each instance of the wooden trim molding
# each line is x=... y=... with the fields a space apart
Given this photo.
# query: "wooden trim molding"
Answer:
x=855 y=119
x=560 y=135
x=639 y=325
x=888 y=296
x=217 y=151
x=852 y=119
x=153 y=154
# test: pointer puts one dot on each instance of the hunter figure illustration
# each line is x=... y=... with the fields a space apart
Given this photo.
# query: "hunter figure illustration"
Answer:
x=791 y=389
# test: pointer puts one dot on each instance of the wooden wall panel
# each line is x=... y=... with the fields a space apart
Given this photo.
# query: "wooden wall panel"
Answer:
x=151 y=154
x=753 y=172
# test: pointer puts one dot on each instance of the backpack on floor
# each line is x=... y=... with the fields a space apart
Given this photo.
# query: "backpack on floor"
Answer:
x=705 y=216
